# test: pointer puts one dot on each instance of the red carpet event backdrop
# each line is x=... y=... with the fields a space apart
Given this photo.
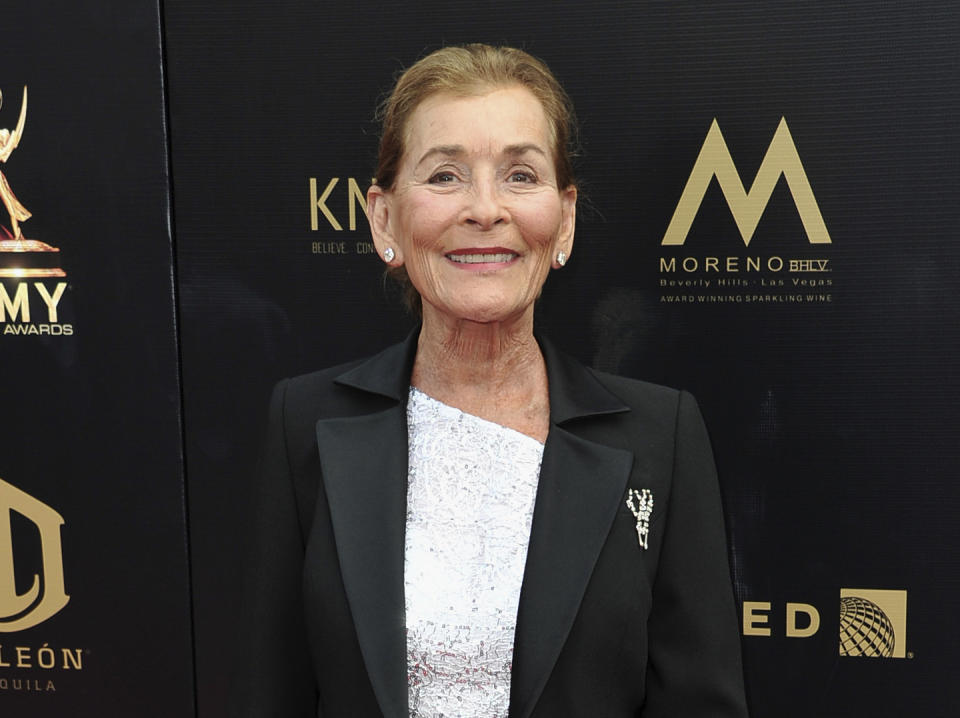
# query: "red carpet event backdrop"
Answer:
x=768 y=219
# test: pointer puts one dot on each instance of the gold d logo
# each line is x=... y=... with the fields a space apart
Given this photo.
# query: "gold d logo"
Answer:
x=47 y=595
x=747 y=207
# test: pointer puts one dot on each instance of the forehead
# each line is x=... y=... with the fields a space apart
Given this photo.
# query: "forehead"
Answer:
x=478 y=122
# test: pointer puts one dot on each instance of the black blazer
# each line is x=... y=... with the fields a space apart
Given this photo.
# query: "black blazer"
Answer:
x=605 y=628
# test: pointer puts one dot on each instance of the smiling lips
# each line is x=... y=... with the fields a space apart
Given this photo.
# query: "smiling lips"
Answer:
x=473 y=255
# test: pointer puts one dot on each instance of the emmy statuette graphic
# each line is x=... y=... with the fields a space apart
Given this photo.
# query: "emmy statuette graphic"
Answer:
x=20 y=256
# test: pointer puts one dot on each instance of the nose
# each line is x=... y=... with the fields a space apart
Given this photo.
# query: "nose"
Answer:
x=484 y=208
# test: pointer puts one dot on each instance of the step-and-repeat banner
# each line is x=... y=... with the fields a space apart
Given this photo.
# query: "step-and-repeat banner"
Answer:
x=768 y=219
x=94 y=591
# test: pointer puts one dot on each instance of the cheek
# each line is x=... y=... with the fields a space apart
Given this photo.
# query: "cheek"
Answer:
x=540 y=226
x=421 y=238
x=423 y=224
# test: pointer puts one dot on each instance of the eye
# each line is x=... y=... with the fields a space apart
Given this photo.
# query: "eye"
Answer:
x=522 y=176
x=442 y=177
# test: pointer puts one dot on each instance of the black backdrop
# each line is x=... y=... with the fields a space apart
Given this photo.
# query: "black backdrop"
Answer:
x=831 y=407
x=91 y=410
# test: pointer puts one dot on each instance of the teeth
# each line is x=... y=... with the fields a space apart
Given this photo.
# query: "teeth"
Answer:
x=480 y=258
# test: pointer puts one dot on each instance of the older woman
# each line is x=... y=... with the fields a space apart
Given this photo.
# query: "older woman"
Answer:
x=471 y=523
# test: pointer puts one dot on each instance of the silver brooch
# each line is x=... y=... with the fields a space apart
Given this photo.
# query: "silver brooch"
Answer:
x=640 y=504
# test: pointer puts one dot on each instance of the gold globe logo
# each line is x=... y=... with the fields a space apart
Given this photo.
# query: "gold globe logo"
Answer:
x=873 y=623
x=865 y=630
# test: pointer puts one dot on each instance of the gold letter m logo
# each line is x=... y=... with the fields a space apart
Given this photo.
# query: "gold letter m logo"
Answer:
x=747 y=207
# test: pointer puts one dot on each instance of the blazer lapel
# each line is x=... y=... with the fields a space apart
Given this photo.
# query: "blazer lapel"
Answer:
x=364 y=463
x=581 y=485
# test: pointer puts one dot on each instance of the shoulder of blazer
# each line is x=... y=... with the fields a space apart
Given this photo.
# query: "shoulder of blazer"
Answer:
x=637 y=410
x=298 y=404
x=363 y=386
x=641 y=396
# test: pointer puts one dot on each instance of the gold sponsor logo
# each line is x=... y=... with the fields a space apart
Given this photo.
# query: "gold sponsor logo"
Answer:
x=47 y=593
x=715 y=160
x=319 y=199
x=802 y=619
x=31 y=669
x=873 y=623
x=24 y=261
x=45 y=657
x=28 y=685
x=32 y=309
x=21 y=256
x=329 y=203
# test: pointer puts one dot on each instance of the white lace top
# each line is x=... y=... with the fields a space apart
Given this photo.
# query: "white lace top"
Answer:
x=472 y=485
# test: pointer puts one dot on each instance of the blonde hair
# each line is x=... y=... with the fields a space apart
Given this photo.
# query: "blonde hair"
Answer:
x=467 y=70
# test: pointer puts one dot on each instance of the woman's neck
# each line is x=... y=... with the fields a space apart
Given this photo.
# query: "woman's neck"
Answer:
x=493 y=370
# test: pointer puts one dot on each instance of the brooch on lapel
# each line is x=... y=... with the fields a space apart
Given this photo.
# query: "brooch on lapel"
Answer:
x=640 y=504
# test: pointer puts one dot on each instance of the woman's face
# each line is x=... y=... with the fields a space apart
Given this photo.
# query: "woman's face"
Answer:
x=475 y=215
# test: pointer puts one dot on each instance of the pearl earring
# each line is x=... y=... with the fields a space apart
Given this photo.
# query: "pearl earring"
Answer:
x=561 y=258
x=388 y=254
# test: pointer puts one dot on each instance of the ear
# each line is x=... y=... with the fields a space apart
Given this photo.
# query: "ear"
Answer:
x=379 y=216
x=568 y=223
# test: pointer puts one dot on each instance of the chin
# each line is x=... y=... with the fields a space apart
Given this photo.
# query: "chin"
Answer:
x=484 y=308
x=489 y=314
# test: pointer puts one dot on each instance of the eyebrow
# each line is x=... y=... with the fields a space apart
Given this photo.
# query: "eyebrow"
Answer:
x=445 y=150
x=520 y=149
x=457 y=150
